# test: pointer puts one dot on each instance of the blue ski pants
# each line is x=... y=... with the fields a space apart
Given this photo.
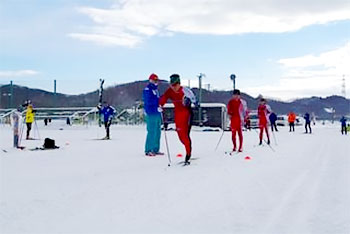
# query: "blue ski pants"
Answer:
x=153 y=133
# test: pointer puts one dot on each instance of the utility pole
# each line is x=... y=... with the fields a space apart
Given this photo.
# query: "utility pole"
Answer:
x=208 y=87
x=54 y=94
x=200 y=76
x=0 y=96
x=11 y=94
x=233 y=78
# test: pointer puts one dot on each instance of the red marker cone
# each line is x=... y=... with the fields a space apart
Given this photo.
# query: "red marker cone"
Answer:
x=179 y=155
x=247 y=158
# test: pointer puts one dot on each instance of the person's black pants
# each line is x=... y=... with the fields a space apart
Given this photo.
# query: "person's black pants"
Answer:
x=29 y=127
x=307 y=125
x=273 y=126
x=344 y=130
x=107 y=125
x=291 y=127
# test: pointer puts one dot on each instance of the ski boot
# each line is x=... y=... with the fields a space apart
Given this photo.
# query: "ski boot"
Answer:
x=187 y=160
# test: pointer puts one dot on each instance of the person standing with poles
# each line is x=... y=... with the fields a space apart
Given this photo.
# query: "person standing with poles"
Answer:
x=153 y=116
x=237 y=110
x=263 y=112
x=291 y=120
x=307 y=122
x=16 y=115
x=108 y=113
x=30 y=116
x=343 y=125
x=273 y=119
x=182 y=99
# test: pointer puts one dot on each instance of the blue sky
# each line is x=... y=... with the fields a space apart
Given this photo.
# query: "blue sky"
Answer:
x=279 y=49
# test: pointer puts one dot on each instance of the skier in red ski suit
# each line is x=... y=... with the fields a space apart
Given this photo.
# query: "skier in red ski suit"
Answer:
x=264 y=111
x=182 y=98
x=237 y=110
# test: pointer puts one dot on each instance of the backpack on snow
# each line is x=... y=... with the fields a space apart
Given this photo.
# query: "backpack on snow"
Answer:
x=49 y=144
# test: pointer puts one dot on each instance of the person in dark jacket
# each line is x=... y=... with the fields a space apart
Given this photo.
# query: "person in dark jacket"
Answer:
x=307 y=122
x=153 y=116
x=343 y=125
x=108 y=113
x=273 y=118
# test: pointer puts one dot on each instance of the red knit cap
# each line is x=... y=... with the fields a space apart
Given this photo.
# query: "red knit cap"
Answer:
x=153 y=77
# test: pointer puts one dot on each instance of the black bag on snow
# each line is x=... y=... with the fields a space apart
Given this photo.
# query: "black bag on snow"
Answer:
x=50 y=144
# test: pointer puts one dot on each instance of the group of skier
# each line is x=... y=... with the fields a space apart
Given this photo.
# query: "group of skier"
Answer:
x=183 y=98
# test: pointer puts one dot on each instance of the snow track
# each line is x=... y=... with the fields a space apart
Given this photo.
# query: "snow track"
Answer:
x=90 y=186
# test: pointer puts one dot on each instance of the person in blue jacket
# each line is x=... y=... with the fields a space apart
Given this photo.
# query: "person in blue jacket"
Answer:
x=153 y=116
x=108 y=113
x=307 y=122
x=343 y=125
x=273 y=118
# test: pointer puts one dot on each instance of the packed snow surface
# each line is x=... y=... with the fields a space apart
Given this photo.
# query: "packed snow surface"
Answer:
x=94 y=186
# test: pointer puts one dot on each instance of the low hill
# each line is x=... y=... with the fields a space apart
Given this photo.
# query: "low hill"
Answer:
x=125 y=95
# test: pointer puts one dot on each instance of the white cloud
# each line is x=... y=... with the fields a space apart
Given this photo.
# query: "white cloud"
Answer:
x=318 y=75
x=129 y=22
x=18 y=73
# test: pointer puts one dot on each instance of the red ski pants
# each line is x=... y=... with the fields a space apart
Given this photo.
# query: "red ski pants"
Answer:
x=237 y=129
x=183 y=128
x=262 y=128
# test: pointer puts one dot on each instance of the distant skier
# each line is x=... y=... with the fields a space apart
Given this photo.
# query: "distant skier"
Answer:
x=108 y=113
x=313 y=118
x=237 y=110
x=343 y=125
x=16 y=115
x=30 y=118
x=273 y=119
x=68 y=121
x=248 y=122
x=291 y=120
x=153 y=116
x=307 y=122
x=263 y=113
x=182 y=98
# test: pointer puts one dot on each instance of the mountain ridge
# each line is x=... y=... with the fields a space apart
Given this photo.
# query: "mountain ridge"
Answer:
x=127 y=94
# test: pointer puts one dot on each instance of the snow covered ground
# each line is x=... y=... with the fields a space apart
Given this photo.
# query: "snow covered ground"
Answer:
x=94 y=186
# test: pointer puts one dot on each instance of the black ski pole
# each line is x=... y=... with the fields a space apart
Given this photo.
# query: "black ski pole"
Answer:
x=166 y=140
x=37 y=129
x=217 y=145
x=22 y=130
x=265 y=141
x=274 y=137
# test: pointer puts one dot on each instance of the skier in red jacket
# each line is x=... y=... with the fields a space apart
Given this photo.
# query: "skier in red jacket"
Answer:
x=237 y=110
x=182 y=98
x=264 y=111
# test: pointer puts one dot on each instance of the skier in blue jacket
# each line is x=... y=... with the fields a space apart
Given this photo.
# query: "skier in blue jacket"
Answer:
x=273 y=119
x=307 y=122
x=153 y=116
x=108 y=113
x=343 y=125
